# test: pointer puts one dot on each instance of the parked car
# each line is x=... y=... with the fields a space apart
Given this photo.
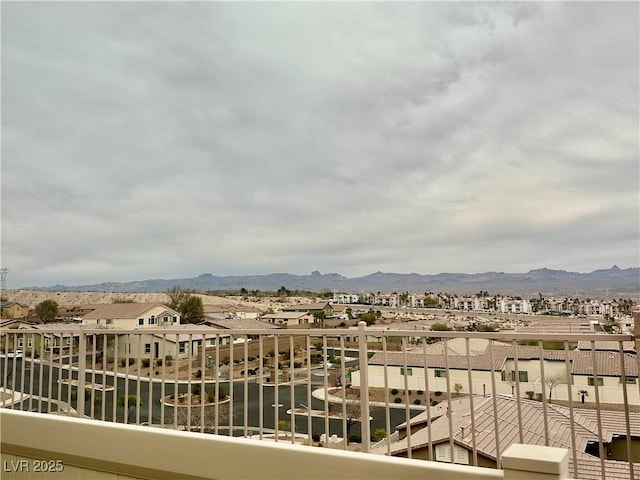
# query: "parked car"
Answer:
x=15 y=354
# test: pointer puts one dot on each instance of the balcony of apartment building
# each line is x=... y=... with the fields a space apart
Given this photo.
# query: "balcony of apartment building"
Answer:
x=313 y=404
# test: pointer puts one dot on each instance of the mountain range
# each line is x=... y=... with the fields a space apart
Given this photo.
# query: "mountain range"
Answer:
x=604 y=284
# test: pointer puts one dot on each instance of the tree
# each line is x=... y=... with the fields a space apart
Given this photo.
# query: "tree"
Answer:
x=320 y=316
x=196 y=421
x=47 y=311
x=370 y=317
x=186 y=304
x=552 y=382
x=458 y=388
x=583 y=393
x=353 y=414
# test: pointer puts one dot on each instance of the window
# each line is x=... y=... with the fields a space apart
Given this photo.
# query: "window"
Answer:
x=591 y=383
x=408 y=372
x=440 y=373
x=21 y=342
x=152 y=320
x=67 y=341
x=629 y=380
x=30 y=344
x=109 y=321
x=523 y=376
x=141 y=321
x=183 y=347
x=147 y=348
x=175 y=319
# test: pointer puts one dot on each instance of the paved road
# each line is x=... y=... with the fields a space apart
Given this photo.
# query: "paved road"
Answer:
x=150 y=393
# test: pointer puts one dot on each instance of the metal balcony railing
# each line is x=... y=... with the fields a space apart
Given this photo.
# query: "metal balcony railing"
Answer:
x=455 y=397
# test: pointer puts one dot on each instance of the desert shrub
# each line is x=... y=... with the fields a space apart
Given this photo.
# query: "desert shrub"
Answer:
x=434 y=403
x=397 y=400
x=145 y=362
x=394 y=391
x=438 y=393
x=198 y=373
x=159 y=362
x=417 y=401
x=379 y=434
x=420 y=392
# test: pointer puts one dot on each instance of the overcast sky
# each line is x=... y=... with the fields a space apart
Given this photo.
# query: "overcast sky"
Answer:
x=166 y=140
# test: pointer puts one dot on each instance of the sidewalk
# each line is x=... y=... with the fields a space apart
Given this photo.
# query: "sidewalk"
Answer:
x=11 y=397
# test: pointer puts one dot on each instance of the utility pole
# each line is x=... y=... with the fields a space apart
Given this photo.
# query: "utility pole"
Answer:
x=3 y=278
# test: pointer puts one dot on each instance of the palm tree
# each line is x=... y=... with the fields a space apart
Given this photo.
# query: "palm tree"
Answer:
x=583 y=393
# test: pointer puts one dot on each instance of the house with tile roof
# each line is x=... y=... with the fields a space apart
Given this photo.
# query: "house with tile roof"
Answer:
x=433 y=433
x=312 y=308
x=13 y=310
x=131 y=315
x=507 y=370
x=289 y=318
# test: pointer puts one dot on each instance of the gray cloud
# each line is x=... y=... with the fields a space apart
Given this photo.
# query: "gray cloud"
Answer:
x=169 y=139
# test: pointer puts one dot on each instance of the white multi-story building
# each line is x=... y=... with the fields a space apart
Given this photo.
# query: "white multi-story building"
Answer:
x=514 y=306
x=345 y=298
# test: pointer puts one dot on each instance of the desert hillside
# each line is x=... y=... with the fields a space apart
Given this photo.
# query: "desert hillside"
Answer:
x=211 y=303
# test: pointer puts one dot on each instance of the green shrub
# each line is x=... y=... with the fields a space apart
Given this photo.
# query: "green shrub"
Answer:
x=397 y=400
x=417 y=401
x=145 y=362
x=394 y=391
x=379 y=434
x=420 y=392
x=159 y=362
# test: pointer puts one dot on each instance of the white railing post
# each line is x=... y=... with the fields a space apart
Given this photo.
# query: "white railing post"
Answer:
x=535 y=461
x=364 y=387
x=82 y=368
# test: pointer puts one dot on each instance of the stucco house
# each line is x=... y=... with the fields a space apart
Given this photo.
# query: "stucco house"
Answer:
x=444 y=372
x=131 y=315
x=154 y=345
x=13 y=310
x=294 y=318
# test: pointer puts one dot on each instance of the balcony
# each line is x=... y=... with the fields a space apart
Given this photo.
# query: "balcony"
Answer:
x=293 y=401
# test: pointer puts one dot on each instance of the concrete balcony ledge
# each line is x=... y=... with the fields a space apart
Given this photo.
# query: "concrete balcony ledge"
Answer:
x=93 y=449
x=548 y=463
